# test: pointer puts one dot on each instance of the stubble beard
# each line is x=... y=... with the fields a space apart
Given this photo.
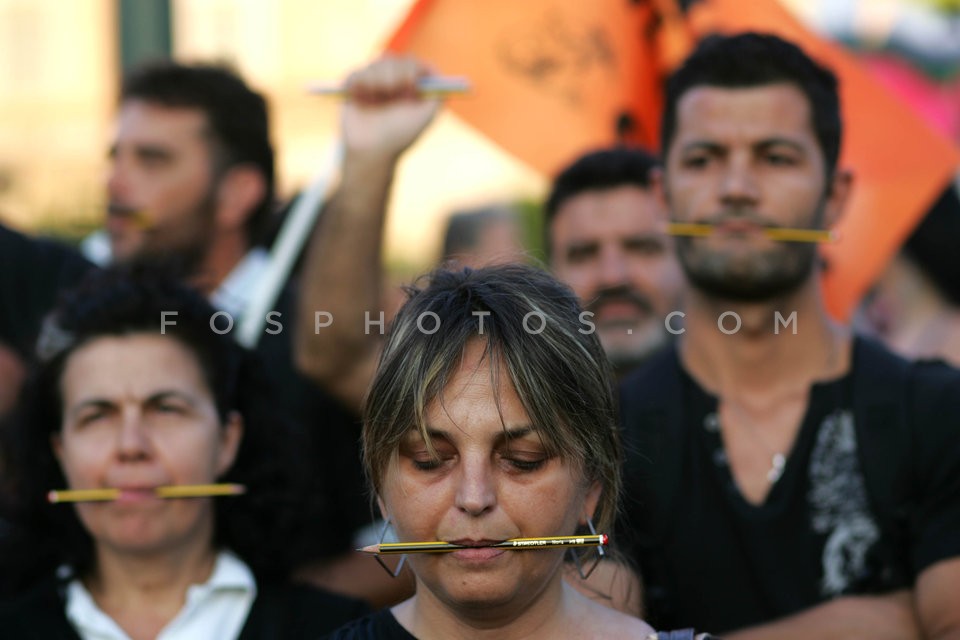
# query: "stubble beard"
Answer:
x=182 y=257
x=749 y=277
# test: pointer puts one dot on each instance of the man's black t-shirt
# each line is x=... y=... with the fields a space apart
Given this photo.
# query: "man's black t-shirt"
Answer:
x=755 y=560
x=712 y=560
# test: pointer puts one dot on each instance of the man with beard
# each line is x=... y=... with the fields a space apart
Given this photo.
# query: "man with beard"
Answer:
x=191 y=189
x=786 y=479
x=191 y=176
x=606 y=239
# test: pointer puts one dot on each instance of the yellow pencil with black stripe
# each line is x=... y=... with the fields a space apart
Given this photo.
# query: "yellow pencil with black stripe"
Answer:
x=516 y=544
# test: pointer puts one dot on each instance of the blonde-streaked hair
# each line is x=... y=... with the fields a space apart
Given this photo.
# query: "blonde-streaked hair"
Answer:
x=532 y=326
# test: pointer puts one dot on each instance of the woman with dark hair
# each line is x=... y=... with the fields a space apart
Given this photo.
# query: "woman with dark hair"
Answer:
x=491 y=418
x=135 y=391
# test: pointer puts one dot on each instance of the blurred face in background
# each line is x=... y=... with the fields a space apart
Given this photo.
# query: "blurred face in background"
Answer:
x=161 y=185
x=500 y=241
x=610 y=247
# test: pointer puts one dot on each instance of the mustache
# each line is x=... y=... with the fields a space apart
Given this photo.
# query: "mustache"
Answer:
x=622 y=293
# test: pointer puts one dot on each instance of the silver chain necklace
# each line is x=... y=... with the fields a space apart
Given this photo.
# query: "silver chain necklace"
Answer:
x=778 y=460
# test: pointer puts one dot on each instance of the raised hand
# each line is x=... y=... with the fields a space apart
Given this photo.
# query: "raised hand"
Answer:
x=384 y=113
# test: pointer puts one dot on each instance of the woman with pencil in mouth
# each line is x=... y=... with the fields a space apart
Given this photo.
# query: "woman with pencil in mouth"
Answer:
x=491 y=419
x=149 y=490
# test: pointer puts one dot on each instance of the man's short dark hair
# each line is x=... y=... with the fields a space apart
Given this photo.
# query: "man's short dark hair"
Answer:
x=753 y=60
x=602 y=169
x=597 y=170
x=236 y=116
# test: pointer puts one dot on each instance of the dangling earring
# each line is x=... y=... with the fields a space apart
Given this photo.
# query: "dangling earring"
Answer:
x=596 y=561
x=393 y=572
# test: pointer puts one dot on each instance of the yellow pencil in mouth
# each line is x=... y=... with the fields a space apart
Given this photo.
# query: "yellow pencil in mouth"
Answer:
x=783 y=234
x=140 y=218
x=173 y=491
x=516 y=544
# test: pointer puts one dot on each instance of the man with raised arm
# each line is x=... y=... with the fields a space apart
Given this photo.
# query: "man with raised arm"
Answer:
x=340 y=327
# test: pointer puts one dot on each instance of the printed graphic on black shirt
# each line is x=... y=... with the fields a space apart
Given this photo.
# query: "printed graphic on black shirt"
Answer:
x=838 y=504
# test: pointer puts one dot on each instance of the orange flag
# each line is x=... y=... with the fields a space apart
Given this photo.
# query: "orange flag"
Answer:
x=900 y=163
x=550 y=79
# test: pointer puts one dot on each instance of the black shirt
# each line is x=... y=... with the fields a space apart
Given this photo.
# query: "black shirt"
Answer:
x=712 y=560
x=756 y=546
